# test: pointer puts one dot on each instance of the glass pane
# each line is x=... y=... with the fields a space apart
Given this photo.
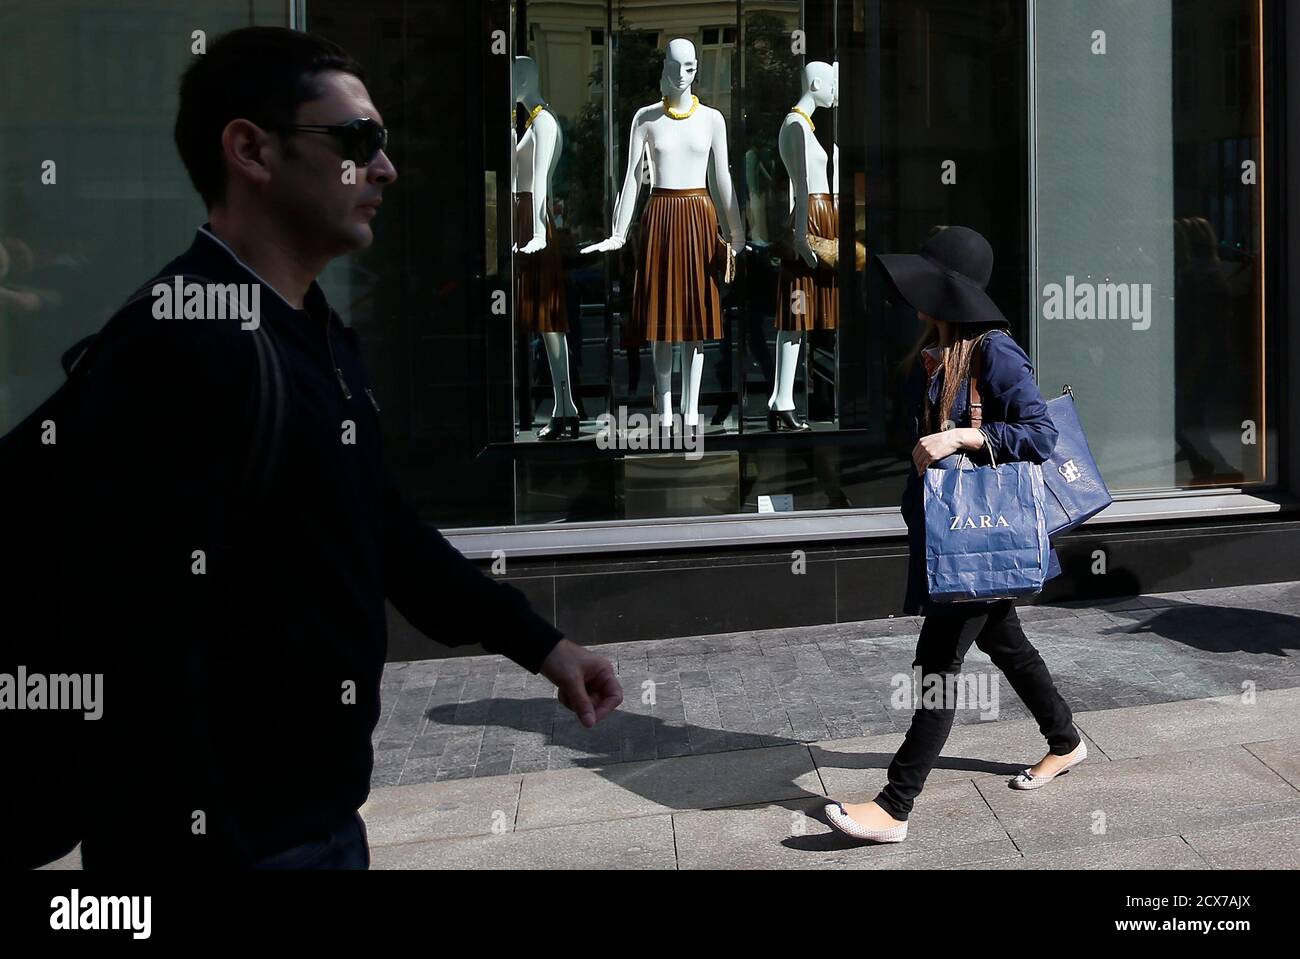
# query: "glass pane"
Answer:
x=419 y=296
x=938 y=138
x=561 y=322
x=93 y=196
x=1150 y=271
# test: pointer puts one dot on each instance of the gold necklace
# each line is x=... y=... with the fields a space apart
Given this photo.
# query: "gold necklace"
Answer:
x=695 y=102
x=812 y=125
x=533 y=116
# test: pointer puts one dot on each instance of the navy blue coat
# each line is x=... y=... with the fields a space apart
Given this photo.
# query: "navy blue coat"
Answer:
x=1016 y=423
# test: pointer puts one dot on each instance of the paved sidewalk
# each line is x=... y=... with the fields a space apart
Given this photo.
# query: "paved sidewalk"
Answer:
x=749 y=734
x=1190 y=704
x=485 y=716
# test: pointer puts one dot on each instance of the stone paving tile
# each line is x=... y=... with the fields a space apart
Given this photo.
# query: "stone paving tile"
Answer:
x=1145 y=797
x=469 y=807
x=854 y=770
x=1166 y=852
x=794 y=835
x=644 y=843
x=1256 y=845
x=668 y=785
x=1199 y=724
x=467 y=716
x=1280 y=755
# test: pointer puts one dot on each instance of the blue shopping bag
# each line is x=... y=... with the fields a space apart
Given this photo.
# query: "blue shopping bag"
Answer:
x=985 y=531
x=1075 y=490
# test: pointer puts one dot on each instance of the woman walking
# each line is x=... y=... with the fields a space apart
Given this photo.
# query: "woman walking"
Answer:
x=965 y=334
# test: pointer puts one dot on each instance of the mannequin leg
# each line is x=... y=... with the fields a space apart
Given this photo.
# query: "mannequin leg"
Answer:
x=662 y=354
x=557 y=353
x=692 y=373
x=787 y=365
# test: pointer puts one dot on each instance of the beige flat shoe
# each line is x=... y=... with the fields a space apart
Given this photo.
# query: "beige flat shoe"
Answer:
x=1027 y=780
x=846 y=824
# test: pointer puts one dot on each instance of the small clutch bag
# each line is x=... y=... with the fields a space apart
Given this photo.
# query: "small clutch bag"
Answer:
x=826 y=250
x=725 y=260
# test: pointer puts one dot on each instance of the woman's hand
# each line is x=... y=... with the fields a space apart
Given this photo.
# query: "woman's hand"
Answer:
x=938 y=445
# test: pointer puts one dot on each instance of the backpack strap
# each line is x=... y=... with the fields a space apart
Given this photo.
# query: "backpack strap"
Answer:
x=75 y=355
x=270 y=399
x=268 y=424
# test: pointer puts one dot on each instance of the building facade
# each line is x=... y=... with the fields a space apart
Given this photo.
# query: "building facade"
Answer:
x=1129 y=162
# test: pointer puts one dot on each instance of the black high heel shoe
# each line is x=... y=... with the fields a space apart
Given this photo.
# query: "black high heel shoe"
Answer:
x=557 y=428
x=783 y=421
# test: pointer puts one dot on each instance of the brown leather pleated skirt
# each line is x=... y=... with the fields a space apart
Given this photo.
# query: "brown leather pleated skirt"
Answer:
x=675 y=297
x=819 y=285
x=540 y=302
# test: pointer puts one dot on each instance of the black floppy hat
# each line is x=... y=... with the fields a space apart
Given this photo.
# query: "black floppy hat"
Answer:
x=946 y=279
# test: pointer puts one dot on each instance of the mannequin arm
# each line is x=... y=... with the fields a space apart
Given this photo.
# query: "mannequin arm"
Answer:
x=545 y=138
x=626 y=203
x=794 y=155
x=514 y=159
x=722 y=178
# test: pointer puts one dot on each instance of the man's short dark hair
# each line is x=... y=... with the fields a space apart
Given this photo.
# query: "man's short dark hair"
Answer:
x=259 y=74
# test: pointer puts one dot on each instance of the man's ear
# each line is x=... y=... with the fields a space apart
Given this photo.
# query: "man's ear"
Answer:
x=247 y=150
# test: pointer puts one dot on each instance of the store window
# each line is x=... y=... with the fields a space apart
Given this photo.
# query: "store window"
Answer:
x=794 y=411
x=1127 y=149
x=93 y=197
x=1151 y=175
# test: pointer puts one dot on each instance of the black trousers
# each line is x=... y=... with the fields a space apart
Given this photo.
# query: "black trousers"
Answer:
x=945 y=638
x=344 y=845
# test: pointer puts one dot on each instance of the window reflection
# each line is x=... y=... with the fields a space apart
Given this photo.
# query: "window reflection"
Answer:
x=1155 y=242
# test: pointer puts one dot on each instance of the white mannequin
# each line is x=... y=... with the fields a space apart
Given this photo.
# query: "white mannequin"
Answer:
x=534 y=162
x=805 y=162
x=679 y=152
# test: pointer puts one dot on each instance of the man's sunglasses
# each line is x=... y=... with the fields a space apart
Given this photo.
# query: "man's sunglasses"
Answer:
x=361 y=139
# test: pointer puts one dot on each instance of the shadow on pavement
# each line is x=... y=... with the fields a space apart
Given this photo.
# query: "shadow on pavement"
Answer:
x=1216 y=629
x=664 y=785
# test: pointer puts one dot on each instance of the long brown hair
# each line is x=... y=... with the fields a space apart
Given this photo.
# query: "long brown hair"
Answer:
x=955 y=362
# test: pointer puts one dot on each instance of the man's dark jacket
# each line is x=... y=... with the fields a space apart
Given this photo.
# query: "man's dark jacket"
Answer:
x=242 y=634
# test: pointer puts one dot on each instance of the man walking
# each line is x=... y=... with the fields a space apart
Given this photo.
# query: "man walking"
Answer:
x=241 y=530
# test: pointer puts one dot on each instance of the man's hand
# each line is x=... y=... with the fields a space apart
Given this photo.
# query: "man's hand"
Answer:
x=586 y=682
x=938 y=445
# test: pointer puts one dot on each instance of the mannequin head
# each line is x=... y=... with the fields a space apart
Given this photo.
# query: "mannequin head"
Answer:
x=819 y=82
x=679 y=66
x=525 y=79
x=835 y=82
